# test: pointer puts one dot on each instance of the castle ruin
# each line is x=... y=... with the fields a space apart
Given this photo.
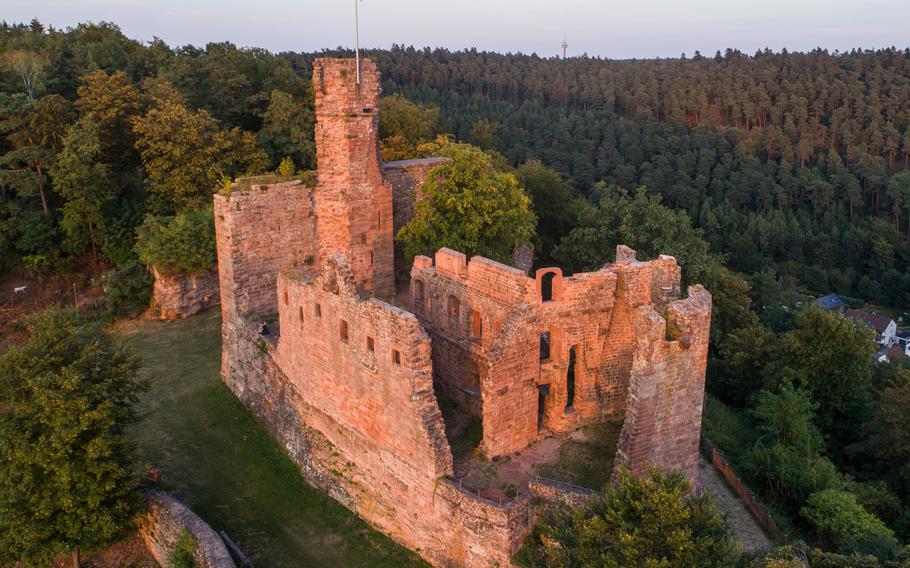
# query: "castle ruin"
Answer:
x=342 y=351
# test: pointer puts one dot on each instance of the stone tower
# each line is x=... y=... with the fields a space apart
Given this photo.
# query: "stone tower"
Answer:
x=353 y=202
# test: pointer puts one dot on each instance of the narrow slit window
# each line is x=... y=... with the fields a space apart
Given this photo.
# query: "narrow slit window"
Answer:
x=476 y=324
x=363 y=238
x=343 y=331
x=396 y=357
x=318 y=311
x=545 y=346
x=371 y=345
x=418 y=292
x=300 y=313
x=570 y=380
x=286 y=300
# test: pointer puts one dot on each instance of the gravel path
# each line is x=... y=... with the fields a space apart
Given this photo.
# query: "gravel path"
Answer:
x=748 y=532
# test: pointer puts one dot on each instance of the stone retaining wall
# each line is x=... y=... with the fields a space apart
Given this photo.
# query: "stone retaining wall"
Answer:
x=552 y=493
x=184 y=295
x=167 y=520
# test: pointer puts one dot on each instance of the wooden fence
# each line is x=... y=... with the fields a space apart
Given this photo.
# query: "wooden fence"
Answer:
x=754 y=507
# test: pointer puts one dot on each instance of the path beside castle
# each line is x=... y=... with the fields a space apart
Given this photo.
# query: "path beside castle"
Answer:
x=746 y=530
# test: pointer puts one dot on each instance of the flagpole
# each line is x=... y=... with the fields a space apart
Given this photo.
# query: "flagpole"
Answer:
x=357 y=40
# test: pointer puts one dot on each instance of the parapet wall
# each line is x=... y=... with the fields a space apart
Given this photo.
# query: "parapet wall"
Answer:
x=258 y=232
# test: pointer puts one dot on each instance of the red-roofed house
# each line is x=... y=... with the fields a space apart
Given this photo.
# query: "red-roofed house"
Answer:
x=884 y=327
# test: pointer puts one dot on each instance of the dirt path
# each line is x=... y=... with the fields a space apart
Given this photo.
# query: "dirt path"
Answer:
x=748 y=532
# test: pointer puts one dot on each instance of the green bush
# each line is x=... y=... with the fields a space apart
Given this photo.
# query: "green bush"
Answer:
x=876 y=498
x=181 y=554
x=179 y=244
x=836 y=516
x=127 y=289
x=787 y=476
x=652 y=520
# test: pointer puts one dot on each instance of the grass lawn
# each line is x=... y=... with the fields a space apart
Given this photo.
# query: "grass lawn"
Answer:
x=226 y=466
x=587 y=462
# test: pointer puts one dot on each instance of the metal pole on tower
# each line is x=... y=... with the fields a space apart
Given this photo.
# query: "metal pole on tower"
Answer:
x=357 y=40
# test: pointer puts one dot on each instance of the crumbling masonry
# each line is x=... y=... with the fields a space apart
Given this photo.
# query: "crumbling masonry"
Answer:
x=347 y=382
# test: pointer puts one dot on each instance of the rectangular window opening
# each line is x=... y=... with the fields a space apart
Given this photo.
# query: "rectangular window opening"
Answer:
x=343 y=331
x=396 y=357
x=371 y=345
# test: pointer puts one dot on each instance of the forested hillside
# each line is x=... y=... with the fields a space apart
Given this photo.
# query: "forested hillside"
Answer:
x=769 y=176
x=786 y=160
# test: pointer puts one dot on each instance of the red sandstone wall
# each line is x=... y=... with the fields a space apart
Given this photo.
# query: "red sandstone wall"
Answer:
x=508 y=368
x=183 y=295
x=354 y=213
x=258 y=232
x=363 y=429
x=666 y=392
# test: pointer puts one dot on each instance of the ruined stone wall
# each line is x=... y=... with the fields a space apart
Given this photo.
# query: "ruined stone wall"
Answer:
x=666 y=390
x=354 y=212
x=462 y=319
x=182 y=295
x=362 y=427
x=638 y=283
x=258 y=232
x=467 y=306
x=167 y=520
x=406 y=177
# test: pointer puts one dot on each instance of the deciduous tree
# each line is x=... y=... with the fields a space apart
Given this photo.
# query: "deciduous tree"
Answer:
x=469 y=206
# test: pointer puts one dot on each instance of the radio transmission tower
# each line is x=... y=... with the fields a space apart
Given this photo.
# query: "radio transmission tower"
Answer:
x=565 y=46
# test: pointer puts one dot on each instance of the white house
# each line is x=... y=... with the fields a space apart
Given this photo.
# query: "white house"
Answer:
x=884 y=327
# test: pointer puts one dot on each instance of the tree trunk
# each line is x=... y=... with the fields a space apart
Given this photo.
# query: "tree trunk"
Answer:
x=41 y=193
x=76 y=562
x=91 y=236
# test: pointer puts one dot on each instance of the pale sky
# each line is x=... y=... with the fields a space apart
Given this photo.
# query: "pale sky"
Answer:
x=609 y=28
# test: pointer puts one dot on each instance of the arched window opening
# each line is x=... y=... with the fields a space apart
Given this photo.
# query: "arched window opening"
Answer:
x=546 y=287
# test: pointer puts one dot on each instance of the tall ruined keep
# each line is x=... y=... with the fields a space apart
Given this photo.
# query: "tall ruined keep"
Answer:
x=347 y=380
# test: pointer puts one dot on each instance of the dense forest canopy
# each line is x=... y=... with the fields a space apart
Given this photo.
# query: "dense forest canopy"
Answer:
x=793 y=161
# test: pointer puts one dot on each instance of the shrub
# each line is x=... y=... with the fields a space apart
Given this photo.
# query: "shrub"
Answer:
x=181 y=554
x=836 y=516
x=127 y=289
x=787 y=476
x=179 y=244
x=651 y=520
